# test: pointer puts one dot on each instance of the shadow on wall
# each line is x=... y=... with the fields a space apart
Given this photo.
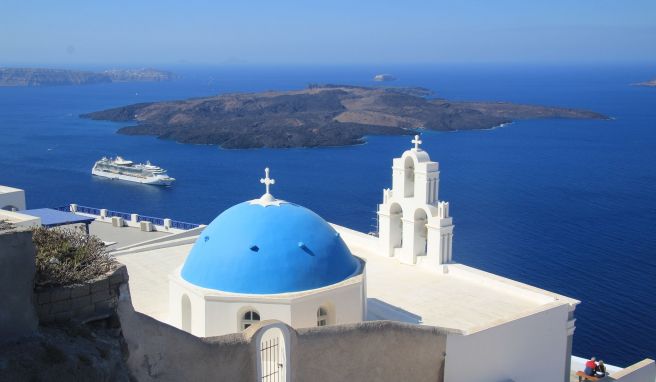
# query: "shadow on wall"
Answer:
x=380 y=310
x=271 y=350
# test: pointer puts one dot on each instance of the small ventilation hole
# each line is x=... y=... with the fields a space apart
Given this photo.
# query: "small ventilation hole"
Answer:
x=255 y=248
x=207 y=238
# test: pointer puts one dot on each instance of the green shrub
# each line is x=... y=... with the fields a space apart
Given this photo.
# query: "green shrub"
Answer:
x=69 y=256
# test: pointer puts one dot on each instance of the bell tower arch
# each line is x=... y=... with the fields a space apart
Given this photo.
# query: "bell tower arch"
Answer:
x=414 y=225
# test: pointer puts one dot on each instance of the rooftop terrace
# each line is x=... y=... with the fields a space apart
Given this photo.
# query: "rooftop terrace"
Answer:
x=464 y=298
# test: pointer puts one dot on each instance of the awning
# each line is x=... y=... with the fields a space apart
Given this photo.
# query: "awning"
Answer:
x=53 y=218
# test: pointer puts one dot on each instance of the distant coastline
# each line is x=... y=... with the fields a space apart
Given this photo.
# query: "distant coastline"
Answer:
x=319 y=116
x=33 y=77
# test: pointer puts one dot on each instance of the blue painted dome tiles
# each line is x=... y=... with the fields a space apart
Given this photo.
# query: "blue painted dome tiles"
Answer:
x=268 y=248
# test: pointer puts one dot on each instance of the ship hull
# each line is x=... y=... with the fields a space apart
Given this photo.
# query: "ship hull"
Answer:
x=155 y=181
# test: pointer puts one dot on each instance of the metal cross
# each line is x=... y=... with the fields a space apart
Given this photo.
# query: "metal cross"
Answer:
x=417 y=142
x=266 y=180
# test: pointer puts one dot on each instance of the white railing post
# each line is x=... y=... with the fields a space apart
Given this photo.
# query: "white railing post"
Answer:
x=73 y=207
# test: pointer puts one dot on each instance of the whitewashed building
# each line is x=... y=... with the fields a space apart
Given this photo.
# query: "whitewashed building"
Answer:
x=267 y=259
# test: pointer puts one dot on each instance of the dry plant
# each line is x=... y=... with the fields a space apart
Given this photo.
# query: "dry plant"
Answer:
x=69 y=256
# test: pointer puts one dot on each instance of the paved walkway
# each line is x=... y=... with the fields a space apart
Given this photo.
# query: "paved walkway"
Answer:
x=121 y=236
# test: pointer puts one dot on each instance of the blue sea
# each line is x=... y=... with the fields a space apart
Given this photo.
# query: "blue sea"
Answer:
x=568 y=206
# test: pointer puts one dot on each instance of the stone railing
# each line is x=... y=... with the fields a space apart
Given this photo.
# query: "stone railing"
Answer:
x=84 y=302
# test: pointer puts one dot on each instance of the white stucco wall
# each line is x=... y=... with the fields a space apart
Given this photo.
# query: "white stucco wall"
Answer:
x=214 y=313
x=12 y=197
x=223 y=317
x=345 y=306
x=528 y=349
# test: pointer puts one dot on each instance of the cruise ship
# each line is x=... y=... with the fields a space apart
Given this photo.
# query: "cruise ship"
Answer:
x=119 y=168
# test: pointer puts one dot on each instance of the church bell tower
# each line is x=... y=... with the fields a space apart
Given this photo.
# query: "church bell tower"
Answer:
x=414 y=225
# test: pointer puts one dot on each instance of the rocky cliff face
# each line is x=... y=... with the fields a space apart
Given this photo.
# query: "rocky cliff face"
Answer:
x=67 y=352
x=329 y=115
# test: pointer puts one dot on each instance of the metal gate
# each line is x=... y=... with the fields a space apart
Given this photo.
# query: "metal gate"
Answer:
x=272 y=360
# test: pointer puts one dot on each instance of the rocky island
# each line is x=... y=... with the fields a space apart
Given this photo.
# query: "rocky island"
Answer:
x=321 y=115
x=57 y=77
x=651 y=83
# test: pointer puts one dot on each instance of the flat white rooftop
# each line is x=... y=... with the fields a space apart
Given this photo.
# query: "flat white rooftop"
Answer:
x=7 y=189
x=122 y=236
x=464 y=298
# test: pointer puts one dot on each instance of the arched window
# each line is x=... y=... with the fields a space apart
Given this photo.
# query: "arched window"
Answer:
x=322 y=316
x=186 y=314
x=409 y=175
x=421 y=232
x=249 y=318
x=396 y=226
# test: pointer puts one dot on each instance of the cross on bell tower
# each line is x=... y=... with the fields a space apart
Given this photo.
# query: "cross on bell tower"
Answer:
x=417 y=142
x=267 y=181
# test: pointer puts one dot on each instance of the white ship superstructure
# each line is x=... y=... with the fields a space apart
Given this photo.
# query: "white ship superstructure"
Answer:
x=119 y=168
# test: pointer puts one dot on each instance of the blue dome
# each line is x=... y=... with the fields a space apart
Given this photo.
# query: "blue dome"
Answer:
x=256 y=249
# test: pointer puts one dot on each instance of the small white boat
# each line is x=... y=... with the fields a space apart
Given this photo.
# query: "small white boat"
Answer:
x=384 y=77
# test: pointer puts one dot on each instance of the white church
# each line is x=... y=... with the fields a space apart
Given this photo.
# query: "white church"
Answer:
x=270 y=259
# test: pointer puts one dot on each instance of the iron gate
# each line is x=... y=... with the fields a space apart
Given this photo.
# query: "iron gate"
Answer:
x=271 y=361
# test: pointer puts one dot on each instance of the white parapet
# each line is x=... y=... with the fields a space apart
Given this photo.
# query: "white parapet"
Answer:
x=12 y=199
x=19 y=220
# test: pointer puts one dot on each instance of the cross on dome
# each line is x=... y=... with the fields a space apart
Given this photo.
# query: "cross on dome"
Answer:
x=267 y=199
x=267 y=181
x=417 y=142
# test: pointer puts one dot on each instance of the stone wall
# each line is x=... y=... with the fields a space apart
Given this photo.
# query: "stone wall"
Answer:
x=369 y=351
x=92 y=300
x=17 y=267
x=160 y=352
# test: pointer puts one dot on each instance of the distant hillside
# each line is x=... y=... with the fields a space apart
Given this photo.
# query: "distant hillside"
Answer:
x=58 y=77
x=328 y=115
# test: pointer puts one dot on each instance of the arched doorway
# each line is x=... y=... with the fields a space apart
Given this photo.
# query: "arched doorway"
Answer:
x=409 y=177
x=273 y=355
x=396 y=226
x=186 y=314
x=421 y=232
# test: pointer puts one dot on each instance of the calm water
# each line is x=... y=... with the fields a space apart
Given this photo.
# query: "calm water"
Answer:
x=568 y=206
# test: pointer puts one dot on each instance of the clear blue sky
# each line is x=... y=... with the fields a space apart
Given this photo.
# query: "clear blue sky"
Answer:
x=325 y=32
